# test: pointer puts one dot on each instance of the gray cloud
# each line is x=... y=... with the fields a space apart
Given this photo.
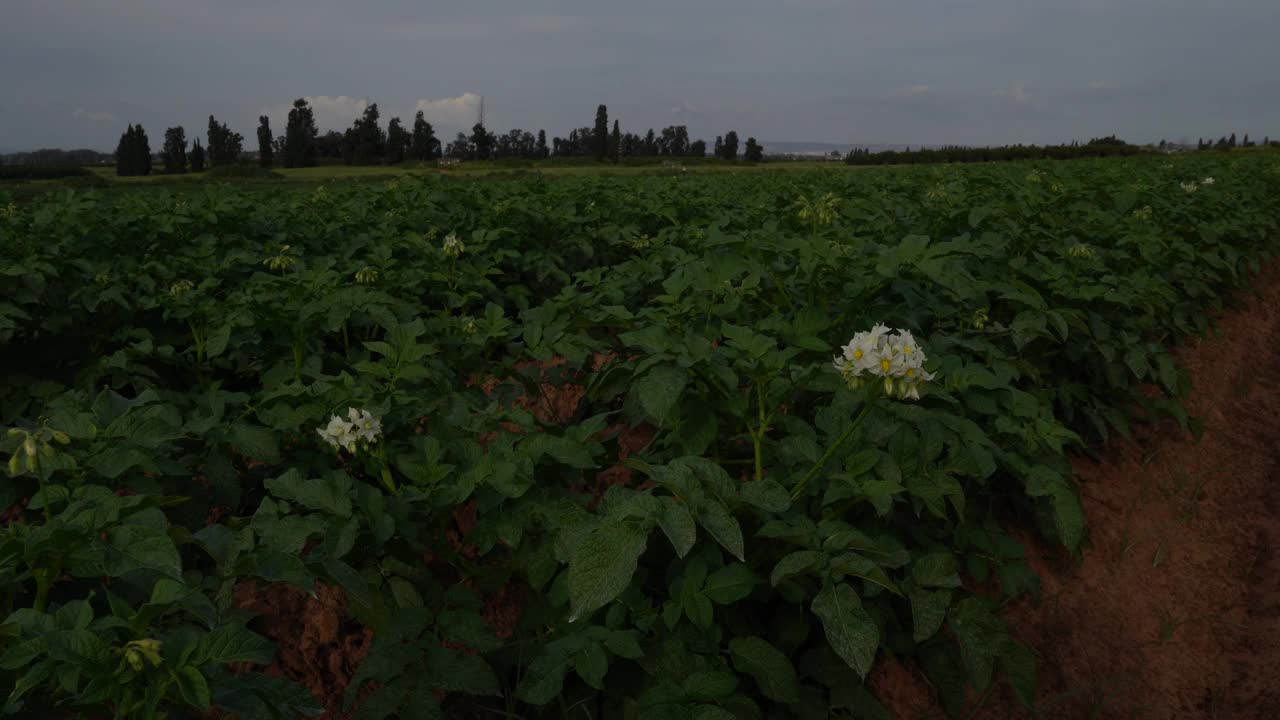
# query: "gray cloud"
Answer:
x=910 y=71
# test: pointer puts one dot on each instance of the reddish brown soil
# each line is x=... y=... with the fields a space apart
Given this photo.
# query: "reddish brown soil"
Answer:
x=1174 y=611
x=319 y=645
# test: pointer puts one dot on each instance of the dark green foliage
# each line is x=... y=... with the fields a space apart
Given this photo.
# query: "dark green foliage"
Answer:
x=224 y=146
x=174 y=154
x=133 y=153
x=1109 y=146
x=754 y=152
x=196 y=156
x=266 y=149
x=729 y=149
x=615 y=143
x=300 y=145
x=43 y=172
x=481 y=143
x=424 y=145
x=488 y=540
x=543 y=150
x=399 y=141
x=600 y=134
x=365 y=143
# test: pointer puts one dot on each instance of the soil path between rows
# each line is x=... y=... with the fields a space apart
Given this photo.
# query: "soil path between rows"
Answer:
x=1174 y=610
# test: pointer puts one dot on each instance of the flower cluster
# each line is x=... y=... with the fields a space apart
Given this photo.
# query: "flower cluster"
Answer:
x=361 y=427
x=1207 y=181
x=280 y=261
x=1190 y=187
x=180 y=288
x=896 y=358
x=453 y=247
x=1143 y=213
x=1080 y=251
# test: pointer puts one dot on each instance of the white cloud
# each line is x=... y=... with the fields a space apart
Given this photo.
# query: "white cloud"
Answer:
x=454 y=113
x=96 y=116
x=1018 y=94
x=913 y=91
x=332 y=112
x=337 y=112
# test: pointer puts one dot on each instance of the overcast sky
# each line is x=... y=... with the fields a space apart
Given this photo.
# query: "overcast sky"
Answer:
x=73 y=73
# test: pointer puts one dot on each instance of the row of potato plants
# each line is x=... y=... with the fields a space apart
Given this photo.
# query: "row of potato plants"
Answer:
x=427 y=393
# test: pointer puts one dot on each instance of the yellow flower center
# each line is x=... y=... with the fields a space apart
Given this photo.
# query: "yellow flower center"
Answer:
x=911 y=373
x=906 y=349
x=884 y=365
x=857 y=354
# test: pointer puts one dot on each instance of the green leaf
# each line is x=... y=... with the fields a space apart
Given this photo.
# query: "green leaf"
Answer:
x=591 y=664
x=193 y=687
x=129 y=549
x=709 y=686
x=256 y=442
x=1019 y=665
x=216 y=342
x=766 y=495
x=331 y=494
x=928 y=611
x=980 y=634
x=769 y=667
x=936 y=570
x=677 y=524
x=800 y=562
x=602 y=566
x=544 y=678
x=855 y=565
x=469 y=629
x=233 y=643
x=729 y=584
x=850 y=630
x=716 y=520
x=659 y=393
x=454 y=671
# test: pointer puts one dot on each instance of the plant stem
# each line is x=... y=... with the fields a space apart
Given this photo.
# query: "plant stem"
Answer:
x=831 y=450
x=757 y=437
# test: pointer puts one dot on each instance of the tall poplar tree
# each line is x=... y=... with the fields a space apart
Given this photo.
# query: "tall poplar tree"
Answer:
x=600 y=134
x=266 y=153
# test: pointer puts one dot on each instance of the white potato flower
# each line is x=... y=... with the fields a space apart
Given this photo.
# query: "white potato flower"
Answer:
x=1190 y=187
x=345 y=434
x=453 y=247
x=1207 y=181
x=367 y=425
x=894 y=358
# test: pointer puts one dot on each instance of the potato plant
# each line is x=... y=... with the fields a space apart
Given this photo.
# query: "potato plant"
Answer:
x=428 y=393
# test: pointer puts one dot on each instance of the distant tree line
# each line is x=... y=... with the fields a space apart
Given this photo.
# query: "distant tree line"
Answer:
x=367 y=143
x=56 y=156
x=1109 y=146
x=1226 y=143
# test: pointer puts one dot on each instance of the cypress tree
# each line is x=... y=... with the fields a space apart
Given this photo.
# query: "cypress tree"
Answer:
x=141 y=152
x=196 y=156
x=266 y=155
x=600 y=134
x=174 y=153
x=124 y=153
x=300 y=133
